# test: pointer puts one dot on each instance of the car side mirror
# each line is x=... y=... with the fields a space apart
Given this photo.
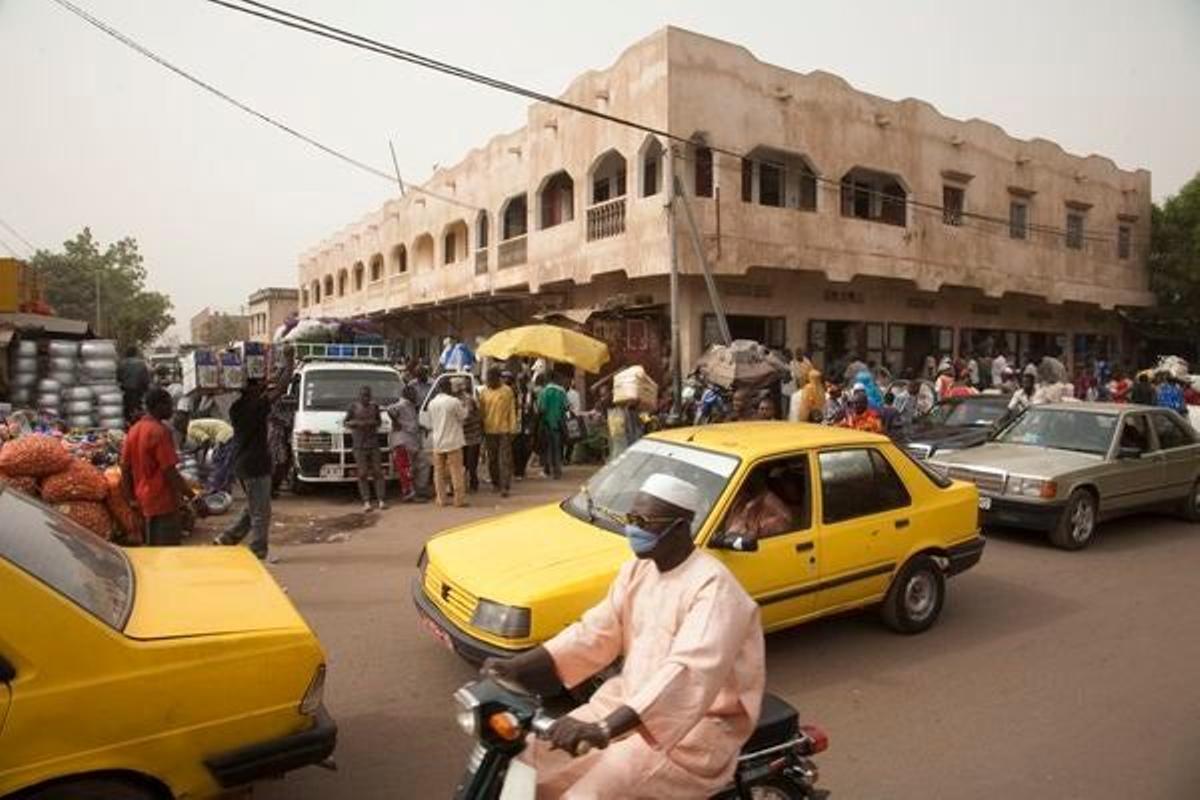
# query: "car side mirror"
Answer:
x=1125 y=452
x=7 y=671
x=737 y=542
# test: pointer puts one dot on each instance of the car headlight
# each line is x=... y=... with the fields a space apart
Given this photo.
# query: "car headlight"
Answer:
x=315 y=694
x=1031 y=487
x=422 y=560
x=510 y=622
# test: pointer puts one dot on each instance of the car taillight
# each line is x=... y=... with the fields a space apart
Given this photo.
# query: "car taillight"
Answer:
x=818 y=737
x=315 y=694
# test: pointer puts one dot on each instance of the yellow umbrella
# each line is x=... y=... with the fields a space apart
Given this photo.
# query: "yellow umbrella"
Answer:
x=547 y=341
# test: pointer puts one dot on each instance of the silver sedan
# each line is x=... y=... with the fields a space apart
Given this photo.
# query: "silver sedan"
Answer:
x=1061 y=468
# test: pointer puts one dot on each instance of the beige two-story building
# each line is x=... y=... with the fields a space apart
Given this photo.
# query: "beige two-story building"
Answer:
x=835 y=221
x=269 y=308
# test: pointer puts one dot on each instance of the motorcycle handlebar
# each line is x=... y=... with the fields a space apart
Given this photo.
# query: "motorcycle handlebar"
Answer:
x=541 y=724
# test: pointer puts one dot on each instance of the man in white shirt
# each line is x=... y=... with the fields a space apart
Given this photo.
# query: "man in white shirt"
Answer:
x=446 y=414
x=999 y=365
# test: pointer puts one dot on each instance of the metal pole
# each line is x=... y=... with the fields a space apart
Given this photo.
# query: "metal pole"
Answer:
x=396 y=165
x=709 y=281
x=676 y=355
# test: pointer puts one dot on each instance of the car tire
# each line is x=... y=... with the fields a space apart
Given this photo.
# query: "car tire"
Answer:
x=1076 y=526
x=94 y=789
x=914 y=600
x=1191 y=503
x=298 y=487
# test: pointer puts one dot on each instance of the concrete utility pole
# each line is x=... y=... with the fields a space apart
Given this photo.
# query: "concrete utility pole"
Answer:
x=710 y=282
x=676 y=354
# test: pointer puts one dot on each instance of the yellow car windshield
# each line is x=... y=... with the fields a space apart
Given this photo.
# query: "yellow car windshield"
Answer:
x=608 y=495
x=69 y=559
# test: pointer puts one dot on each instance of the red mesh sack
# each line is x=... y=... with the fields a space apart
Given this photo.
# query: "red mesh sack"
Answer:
x=21 y=483
x=129 y=522
x=34 y=456
x=93 y=516
x=79 y=481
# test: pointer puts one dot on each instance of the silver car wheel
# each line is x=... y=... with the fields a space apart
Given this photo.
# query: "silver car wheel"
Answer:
x=920 y=596
x=1083 y=519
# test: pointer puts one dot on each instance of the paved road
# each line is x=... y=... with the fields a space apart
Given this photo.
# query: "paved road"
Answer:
x=1050 y=674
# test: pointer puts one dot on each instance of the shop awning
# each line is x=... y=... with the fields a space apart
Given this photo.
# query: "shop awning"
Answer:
x=59 y=326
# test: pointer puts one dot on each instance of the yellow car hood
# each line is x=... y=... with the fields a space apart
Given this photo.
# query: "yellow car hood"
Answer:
x=527 y=555
x=200 y=591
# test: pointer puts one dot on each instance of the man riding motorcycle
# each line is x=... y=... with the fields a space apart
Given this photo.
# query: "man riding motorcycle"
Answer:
x=690 y=689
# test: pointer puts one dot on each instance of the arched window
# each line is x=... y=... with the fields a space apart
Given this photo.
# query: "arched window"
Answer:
x=399 y=259
x=515 y=217
x=779 y=178
x=556 y=200
x=359 y=272
x=304 y=297
x=423 y=252
x=454 y=242
x=316 y=292
x=376 y=267
x=650 y=161
x=702 y=159
x=607 y=177
x=328 y=286
x=876 y=196
x=481 y=231
x=343 y=279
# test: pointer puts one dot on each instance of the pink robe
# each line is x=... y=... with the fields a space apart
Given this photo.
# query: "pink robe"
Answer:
x=693 y=671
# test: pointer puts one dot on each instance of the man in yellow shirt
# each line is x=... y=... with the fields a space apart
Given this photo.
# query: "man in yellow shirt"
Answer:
x=498 y=405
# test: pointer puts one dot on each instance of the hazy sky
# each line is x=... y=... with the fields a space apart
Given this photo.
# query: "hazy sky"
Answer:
x=93 y=134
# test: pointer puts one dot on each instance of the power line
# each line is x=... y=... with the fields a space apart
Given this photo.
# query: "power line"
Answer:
x=315 y=27
x=208 y=87
x=8 y=247
x=17 y=234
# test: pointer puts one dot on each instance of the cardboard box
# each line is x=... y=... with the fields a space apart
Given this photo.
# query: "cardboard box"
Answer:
x=200 y=371
x=232 y=371
x=632 y=384
x=254 y=359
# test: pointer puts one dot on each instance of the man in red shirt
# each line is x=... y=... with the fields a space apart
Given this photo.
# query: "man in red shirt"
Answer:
x=149 y=478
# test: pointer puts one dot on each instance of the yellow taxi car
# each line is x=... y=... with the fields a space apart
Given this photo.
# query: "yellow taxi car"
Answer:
x=868 y=525
x=148 y=673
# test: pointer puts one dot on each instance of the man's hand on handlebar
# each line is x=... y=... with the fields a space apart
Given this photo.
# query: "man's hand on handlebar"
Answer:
x=569 y=734
x=506 y=669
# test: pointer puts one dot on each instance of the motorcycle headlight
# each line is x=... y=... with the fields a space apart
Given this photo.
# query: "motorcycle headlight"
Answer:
x=510 y=622
x=1031 y=487
x=468 y=713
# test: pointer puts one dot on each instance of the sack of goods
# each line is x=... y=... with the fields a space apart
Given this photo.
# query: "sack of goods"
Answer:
x=91 y=515
x=79 y=481
x=34 y=456
x=22 y=483
x=128 y=521
x=633 y=385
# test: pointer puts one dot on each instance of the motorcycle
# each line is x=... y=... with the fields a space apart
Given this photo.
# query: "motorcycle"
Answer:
x=776 y=762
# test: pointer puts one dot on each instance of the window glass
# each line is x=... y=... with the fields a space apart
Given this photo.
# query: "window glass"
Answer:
x=773 y=500
x=1081 y=431
x=890 y=490
x=1017 y=219
x=1075 y=231
x=1170 y=433
x=1124 y=237
x=770 y=184
x=952 y=204
x=1135 y=433
x=72 y=561
x=847 y=485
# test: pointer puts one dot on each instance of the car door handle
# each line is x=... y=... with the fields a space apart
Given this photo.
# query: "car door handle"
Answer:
x=804 y=547
x=901 y=523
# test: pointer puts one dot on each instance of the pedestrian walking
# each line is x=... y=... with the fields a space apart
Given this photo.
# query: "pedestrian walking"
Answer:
x=472 y=436
x=498 y=407
x=526 y=426
x=279 y=435
x=405 y=441
x=446 y=414
x=150 y=479
x=133 y=376
x=252 y=466
x=552 y=408
x=363 y=421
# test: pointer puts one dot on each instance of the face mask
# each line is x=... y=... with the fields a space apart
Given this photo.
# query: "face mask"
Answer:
x=641 y=541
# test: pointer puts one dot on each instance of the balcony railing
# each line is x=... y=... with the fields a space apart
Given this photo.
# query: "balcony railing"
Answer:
x=606 y=219
x=481 y=261
x=511 y=252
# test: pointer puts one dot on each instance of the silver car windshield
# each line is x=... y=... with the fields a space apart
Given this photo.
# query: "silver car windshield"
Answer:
x=609 y=493
x=1063 y=429
x=72 y=561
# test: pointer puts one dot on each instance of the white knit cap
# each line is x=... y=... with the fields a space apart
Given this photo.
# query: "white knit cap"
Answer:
x=672 y=490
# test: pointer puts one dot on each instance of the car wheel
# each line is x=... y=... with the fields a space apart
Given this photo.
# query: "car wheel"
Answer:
x=94 y=789
x=1077 y=524
x=298 y=486
x=915 y=598
x=1191 y=503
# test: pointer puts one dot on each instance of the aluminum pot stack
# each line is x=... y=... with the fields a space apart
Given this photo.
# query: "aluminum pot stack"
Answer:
x=24 y=373
x=98 y=370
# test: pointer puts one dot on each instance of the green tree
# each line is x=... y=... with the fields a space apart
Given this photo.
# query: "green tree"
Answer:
x=129 y=312
x=1175 y=261
x=221 y=329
